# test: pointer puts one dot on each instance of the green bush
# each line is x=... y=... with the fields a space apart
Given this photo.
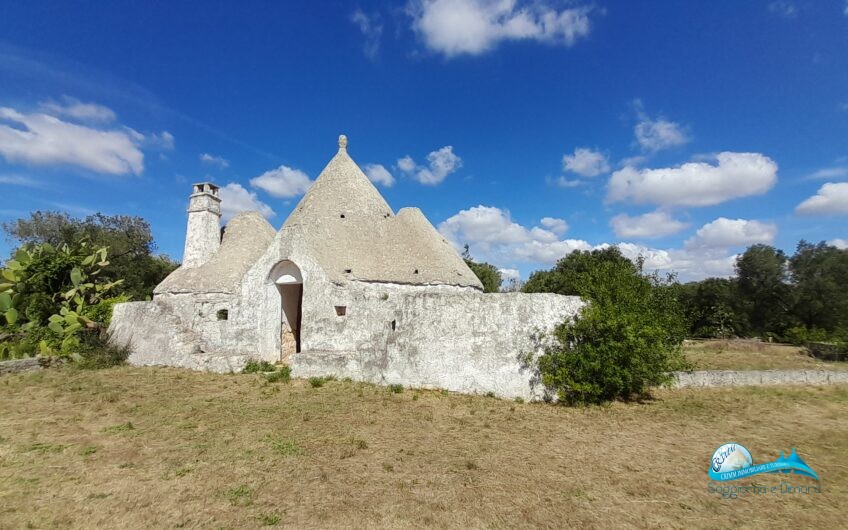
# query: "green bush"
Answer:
x=799 y=335
x=253 y=366
x=282 y=375
x=628 y=338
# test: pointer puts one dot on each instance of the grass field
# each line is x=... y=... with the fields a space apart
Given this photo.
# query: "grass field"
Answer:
x=753 y=355
x=167 y=448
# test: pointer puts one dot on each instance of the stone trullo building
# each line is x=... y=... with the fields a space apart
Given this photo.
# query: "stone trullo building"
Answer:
x=346 y=287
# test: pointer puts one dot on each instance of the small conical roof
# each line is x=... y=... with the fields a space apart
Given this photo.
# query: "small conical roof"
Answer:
x=353 y=234
x=341 y=187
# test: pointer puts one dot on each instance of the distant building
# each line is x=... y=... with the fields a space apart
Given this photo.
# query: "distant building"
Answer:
x=346 y=287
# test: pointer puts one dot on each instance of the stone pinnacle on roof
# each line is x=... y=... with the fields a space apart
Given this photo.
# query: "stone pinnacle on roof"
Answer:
x=342 y=141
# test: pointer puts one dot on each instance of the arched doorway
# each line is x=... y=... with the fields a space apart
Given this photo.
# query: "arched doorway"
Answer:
x=289 y=283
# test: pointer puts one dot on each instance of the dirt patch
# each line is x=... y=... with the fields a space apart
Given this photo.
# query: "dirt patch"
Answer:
x=172 y=448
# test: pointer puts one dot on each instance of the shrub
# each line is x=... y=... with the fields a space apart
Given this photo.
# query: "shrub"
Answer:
x=396 y=388
x=253 y=366
x=317 y=382
x=626 y=340
x=283 y=374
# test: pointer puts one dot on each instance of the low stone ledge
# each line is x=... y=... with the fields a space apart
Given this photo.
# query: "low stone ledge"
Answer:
x=29 y=364
x=717 y=378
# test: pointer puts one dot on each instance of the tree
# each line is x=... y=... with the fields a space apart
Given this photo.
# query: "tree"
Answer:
x=626 y=341
x=569 y=275
x=487 y=273
x=819 y=274
x=763 y=274
x=128 y=238
x=713 y=309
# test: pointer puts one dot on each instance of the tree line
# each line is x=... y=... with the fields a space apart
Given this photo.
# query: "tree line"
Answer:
x=798 y=298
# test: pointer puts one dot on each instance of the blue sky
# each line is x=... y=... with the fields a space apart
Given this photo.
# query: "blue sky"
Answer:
x=683 y=131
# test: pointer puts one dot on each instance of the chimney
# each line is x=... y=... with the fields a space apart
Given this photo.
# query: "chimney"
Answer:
x=203 y=234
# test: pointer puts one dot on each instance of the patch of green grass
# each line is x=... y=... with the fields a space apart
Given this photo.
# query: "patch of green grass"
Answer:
x=387 y=467
x=286 y=447
x=88 y=450
x=270 y=519
x=44 y=448
x=240 y=496
x=121 y=427
x=317 y=382
x=396 y=389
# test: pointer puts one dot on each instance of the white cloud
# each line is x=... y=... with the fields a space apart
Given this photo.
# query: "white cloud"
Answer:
x=495 y=238
x=163 y=141
x=74 y=108
x=828 y=173
x=40 y=139
x=831 y=199
x=379 y=175
x=457 y=27
x=654 y=135
x=783 y=9
x=406 y=164
x=646 y=226
x=557 y=226
x=659 y=134
x=725 y=233
x=841 y=244
x=372 y=30
x=441 y=163
x=509 y=274
x=586 y=162
x=563 y=182
x=235 y=199
x=695 y=183
x=213 y=160
x=20 y=180
x=282 y=182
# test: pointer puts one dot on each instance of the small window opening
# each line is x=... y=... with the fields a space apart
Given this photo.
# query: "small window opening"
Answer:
x=348 y=271
x=394 y=323
x=222 y=314
x=342 y=216
x=385 y=216
x=416 y=271
x=341 y=310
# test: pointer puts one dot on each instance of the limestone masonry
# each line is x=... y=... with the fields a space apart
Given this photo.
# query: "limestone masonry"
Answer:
x=347 y=288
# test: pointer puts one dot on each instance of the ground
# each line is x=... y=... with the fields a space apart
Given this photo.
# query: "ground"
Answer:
x=753 y=355
x=164 y=448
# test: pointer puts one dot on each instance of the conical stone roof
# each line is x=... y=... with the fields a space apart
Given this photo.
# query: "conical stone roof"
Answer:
x=353 y=234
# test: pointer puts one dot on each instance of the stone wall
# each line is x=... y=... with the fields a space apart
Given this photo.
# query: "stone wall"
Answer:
x=30 y=364
x=758 y=378
x=464 y=342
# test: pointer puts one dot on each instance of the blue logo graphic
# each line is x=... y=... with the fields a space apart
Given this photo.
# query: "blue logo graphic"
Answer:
x=732 y=461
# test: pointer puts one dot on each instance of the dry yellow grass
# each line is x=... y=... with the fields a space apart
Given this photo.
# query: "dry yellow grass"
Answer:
x=165 y=448
x=739 y=354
